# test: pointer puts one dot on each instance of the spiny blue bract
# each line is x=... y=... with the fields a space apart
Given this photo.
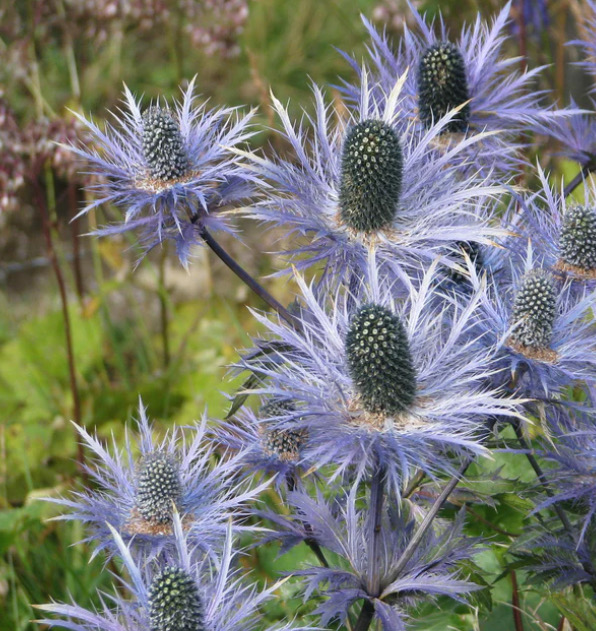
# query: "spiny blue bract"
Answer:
x=534 y=310
x=577 y=243
x=158 y=488
x=163 y=145
x=283 y=443
x=174 y=602
x=371 y=176
x=442 y=85
x=379 y=360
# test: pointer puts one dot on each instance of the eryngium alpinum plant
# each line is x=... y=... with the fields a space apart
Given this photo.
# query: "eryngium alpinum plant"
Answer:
x=443 y=326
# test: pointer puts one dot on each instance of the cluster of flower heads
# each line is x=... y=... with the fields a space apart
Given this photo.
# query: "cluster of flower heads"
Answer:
x=176 y=593
x=437 y=302
x=472 y=73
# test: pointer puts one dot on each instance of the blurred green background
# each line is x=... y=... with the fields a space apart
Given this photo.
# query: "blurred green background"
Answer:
x=158 y=331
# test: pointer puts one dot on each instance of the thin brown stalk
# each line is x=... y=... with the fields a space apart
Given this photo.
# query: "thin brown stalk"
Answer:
x=47 y=232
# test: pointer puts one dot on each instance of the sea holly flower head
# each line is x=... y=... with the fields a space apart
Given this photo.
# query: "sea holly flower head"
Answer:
x=163 y=145
x=469 y=73
x=365 y=178
x=346 y=529
x=534 y=312
x=177 y=592
x=266 y=448
x=158 y=488
x=443 y=86
x=139 y=494
x=379 y=360
x=376 y=380
x=577 y=241
x=174 y=602
x=540 y=326
x=169 y=168
x=563 y=232
x=371 y=176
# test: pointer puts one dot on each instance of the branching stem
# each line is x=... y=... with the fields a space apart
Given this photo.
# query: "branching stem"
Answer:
x=247 y=279
x=429 y=517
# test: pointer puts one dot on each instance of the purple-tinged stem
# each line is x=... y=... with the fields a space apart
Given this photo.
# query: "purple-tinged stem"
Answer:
x=367 y=613
x=376 y=511
x=580 y=177
x=47 y=232
x=316 y=548
x=515 y=604
x=246 y=278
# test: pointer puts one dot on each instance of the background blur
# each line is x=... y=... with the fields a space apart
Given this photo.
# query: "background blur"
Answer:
x=159 y=331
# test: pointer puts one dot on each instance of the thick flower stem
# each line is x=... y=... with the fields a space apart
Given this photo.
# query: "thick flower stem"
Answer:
x=540 y=475
x=246 y=278
x=515 y=604
x=376 y=510
x=429 y=517
x=580 y=177
x=366 y=616
x=377 y=488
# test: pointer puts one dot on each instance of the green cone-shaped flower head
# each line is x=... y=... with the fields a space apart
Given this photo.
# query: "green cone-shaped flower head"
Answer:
x=174 y=602
x=379 y=360
x=577 y=241
x=534 y=310
x=163 y=145
x=442 y=85
x=158 y=488
x=371 y=176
